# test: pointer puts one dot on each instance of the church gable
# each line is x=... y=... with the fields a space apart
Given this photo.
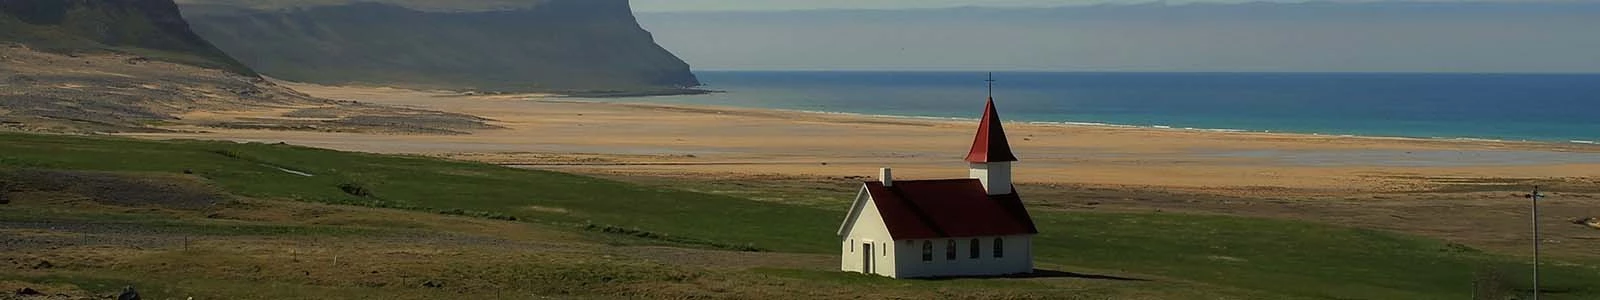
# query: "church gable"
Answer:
x=857 y=208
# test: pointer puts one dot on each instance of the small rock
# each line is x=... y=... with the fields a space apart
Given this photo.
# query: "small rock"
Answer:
x=43 y=264
x=28 y=292
x=433 y=284
x=128 y=294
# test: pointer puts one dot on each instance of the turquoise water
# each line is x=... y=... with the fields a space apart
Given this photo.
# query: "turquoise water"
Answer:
x=1555 y=108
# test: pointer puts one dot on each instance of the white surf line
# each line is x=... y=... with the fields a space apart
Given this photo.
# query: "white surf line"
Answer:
x=290 y=171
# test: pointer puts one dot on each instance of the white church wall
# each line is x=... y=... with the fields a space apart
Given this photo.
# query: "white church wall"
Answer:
x=867 y=228
x=996 y=177
x=1017 y=258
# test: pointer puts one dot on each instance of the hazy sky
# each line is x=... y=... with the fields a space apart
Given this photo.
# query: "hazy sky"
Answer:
x=1319 y=36
x=725 y=5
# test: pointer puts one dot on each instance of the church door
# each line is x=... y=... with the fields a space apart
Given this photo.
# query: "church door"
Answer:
x=866 y=259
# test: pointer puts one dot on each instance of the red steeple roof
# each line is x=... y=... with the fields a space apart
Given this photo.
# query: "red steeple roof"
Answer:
x=990 y=145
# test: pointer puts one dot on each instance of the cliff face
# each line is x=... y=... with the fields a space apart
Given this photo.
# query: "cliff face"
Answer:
x=153 y=28
x=554 y=45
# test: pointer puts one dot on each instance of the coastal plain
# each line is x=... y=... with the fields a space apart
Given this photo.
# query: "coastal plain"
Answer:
x=1466 y=191
x=619 y=198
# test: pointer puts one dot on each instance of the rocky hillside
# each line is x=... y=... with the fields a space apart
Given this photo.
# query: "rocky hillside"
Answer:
x=150 y=28
x=550 y=45
x=121 y=93
x=117 y=66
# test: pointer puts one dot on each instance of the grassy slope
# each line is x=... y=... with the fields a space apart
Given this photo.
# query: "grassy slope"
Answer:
x=434 y=185
x=1285 y=259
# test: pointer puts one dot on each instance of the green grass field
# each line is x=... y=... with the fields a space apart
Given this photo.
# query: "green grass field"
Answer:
x=1175 y=255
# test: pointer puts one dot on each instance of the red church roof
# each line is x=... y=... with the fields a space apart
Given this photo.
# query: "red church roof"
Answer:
x=990 y=145
x=923 y=209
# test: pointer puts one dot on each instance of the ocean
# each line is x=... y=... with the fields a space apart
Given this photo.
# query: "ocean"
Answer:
x=1522 y=107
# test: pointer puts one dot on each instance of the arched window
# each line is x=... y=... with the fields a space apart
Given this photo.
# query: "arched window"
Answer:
x=950 y=250
x=927 y=250
x=885 y=248
x=973 y=248
x=999 y=248
x=852 y=244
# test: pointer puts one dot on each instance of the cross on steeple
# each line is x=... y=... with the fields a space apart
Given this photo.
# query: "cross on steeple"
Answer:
x=991 y=84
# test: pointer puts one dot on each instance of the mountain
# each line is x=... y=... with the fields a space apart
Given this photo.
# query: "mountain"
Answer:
x=516 y=46
x=99 y=66
x=151 y=28
x=422 y=5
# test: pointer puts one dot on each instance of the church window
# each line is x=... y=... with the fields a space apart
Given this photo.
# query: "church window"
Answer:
x=927 y=250
x=950 y=250
x=852 y=245
x=973 y=248
x=999 y=248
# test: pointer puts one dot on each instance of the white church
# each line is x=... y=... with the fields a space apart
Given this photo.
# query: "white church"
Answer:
x=974 y=226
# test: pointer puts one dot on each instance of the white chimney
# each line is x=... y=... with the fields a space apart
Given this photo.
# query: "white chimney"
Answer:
x=887 y=176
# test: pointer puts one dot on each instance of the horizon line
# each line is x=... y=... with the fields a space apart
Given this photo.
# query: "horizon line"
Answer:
x=1144 y=72
x=1152 y=3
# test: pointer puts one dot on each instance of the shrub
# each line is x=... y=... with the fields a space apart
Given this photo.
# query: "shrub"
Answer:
x=478 y=214
x=355 y=189
x=638 y=233
x=226 y=153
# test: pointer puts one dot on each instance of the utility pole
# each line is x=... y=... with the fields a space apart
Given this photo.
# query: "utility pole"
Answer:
x=1535 y=220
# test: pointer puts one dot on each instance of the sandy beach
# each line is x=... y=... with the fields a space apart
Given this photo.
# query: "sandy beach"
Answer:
x=544 y=131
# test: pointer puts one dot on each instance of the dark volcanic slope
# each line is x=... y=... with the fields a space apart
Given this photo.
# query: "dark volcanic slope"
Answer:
x=557 y=45
x=152 y=28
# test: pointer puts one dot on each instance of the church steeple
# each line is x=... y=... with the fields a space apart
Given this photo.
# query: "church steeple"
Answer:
x=990 y=144
x=990 y=159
